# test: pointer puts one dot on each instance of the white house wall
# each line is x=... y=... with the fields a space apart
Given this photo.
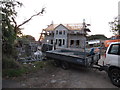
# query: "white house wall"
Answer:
x=65 y=39
x=81 y=39
x=62 y=36
x=48 y=39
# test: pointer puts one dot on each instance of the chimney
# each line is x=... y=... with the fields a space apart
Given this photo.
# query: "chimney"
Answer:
x=52 y=23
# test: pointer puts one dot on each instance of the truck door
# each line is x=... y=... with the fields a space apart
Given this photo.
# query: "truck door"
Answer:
x=113 y=55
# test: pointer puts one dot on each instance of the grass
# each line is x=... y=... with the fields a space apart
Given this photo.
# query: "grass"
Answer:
x=27 y=68
x=13 y=72
x=9 y=62
x=12 y=68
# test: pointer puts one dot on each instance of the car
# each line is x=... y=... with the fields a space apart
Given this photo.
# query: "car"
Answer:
x=112 y=62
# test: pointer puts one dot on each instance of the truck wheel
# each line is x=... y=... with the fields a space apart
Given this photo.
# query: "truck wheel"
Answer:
x=114 y=75
x=65 y=65
x=56 y=63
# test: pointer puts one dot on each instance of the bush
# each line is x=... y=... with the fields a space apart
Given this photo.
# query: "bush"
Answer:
x=36 y=66
x=13 y=72
x=40 y=64
x=9 y=62
x=12 y=68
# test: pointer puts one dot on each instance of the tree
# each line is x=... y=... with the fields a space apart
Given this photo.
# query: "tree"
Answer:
x=25 y=39
x=8 y=33
x=11 y=31
x=10 y=28
x=115 y=26
x=29 y=37
x=97 y=36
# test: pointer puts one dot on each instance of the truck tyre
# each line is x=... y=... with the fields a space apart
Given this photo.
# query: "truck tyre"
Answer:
x=56 y=63
x=114 y=75
x=65 y=65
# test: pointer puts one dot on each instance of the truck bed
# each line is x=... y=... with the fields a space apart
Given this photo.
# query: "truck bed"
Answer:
x=76 y=57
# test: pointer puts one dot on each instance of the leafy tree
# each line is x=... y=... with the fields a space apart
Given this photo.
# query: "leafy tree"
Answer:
x=25 y=39
x=98 y=36
x=115 y=26
x=29 y=37
x=10 y=28
x=11 y=31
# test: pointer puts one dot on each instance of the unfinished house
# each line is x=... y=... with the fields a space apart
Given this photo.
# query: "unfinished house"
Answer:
x=65 y=35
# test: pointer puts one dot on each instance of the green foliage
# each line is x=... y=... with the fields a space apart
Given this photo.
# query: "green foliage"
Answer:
x=9 y=62
x=8 y=36
x=36 y=66
x=13 y=72
x=24 y=69
x=40 y=64
x=29 y=37
x=115 y=26
x=8 y=7
x=9 y=31
x=25 y=39
x=98 y=37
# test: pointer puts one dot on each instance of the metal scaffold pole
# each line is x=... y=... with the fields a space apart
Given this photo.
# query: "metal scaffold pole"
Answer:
x=84 y=27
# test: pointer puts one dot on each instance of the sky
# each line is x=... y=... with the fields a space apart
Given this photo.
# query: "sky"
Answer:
x=95 y=12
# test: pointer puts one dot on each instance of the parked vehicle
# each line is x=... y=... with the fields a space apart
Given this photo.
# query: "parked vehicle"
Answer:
x=112 y=62
x=64 y=58
x=115 y=38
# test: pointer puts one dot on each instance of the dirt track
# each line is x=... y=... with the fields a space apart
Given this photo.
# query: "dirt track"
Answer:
x=52 y=77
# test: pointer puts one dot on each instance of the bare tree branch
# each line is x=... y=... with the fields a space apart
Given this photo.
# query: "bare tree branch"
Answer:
x=39 y=13
x=14 y=21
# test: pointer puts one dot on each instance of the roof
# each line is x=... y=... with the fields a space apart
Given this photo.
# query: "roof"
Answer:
x=77 y=26
x=51 y=27
x=115 y=43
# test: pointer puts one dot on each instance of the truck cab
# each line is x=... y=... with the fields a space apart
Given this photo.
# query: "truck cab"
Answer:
x=115 y=38
x=112 y=62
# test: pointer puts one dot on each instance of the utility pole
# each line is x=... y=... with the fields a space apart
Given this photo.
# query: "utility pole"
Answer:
x=119 y=17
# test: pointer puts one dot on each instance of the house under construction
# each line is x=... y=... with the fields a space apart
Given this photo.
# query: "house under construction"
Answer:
x=65 y=35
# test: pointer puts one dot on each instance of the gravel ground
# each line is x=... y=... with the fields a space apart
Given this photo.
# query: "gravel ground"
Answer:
x=54 y=77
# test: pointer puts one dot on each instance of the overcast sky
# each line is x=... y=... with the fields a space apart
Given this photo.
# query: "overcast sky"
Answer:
x=96 y=12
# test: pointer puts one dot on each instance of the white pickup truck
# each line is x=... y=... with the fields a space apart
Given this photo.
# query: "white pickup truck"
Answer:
x=112 y=63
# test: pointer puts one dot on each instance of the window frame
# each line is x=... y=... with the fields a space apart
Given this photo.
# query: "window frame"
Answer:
x=51 y=41
x=56 y=32
x=63 y=41
x=60 y=32
x=64 y=32
x=118 y=53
